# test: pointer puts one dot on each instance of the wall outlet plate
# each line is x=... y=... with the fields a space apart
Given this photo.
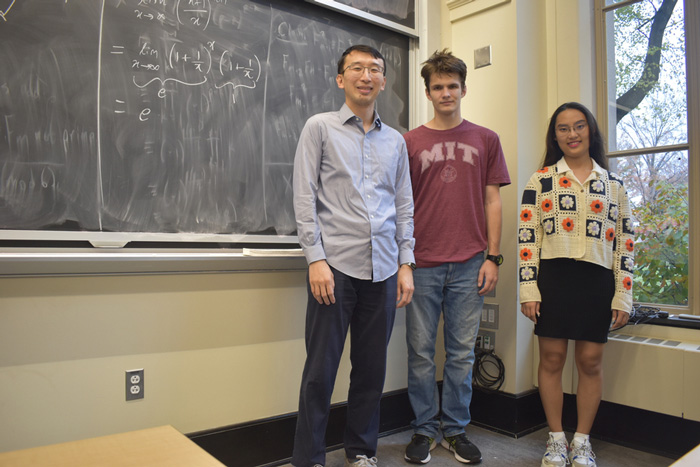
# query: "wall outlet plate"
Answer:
x=482 y=57
x=134 y=384
x=486 y=340
x=489 y=316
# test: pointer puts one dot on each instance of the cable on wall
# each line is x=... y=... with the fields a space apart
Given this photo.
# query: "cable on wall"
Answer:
x=489 y=371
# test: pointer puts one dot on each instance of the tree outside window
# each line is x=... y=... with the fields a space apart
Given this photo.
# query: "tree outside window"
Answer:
x=647 y=132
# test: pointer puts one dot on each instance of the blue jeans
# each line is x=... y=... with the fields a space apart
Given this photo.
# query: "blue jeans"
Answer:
x=367 y=309
x=450 y=289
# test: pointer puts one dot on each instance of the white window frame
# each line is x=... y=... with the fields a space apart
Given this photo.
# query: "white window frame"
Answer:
x=692 y=37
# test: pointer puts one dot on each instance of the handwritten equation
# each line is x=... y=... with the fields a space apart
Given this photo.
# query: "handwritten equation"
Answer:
x=172 y=50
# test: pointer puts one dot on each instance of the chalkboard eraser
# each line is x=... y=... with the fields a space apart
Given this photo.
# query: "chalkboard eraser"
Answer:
x=108 y=244
x=272 y=252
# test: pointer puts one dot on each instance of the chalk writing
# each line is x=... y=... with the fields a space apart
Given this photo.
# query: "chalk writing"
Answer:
x=4 y=10
x=186 y=62
x=168 y=116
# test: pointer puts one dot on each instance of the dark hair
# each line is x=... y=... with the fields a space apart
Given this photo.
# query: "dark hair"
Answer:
x=360 y=48
x=444 y=63
x=595 y=138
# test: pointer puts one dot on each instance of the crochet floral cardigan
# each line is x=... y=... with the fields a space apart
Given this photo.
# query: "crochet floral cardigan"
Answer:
x=560 y=218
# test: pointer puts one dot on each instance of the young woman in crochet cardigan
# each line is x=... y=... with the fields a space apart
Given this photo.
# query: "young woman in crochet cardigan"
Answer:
x=576 y=260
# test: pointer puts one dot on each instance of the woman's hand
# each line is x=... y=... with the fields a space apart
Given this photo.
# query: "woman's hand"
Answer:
x=531 y=310
x=619 y=319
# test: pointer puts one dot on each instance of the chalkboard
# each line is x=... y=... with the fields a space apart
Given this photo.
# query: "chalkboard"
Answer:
x=398 y=15
x=400 y=11
x=168 y=116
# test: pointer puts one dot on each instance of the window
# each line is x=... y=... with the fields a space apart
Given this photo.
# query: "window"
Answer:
x=644 y=75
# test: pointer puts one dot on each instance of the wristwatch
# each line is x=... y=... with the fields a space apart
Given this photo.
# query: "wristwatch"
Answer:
x=411 y=265
x=496 y=259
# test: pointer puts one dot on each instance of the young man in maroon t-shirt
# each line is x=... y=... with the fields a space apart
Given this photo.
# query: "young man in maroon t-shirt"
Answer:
x=457 y=169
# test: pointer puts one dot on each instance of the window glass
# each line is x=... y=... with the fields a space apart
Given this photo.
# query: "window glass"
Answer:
x=647 y=136
x=646 y=75
x=657 y=185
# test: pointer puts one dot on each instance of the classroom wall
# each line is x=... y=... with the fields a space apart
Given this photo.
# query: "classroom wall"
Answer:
x=216 y=349
x=510 y=97
x=543 y=54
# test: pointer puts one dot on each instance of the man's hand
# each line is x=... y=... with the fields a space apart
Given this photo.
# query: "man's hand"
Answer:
x=404 y=286
x=488 y=277
x=322 y=282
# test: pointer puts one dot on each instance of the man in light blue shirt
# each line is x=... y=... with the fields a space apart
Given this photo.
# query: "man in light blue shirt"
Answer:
x=354 y=210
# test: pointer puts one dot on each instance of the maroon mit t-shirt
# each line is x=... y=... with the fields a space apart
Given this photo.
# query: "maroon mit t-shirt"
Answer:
x=449 y=172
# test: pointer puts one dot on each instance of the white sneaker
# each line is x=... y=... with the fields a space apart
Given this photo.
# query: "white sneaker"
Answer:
x=582 y=455
x=557 y=454
x=362 y=461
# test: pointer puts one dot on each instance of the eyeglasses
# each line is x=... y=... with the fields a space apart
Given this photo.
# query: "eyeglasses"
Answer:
x=357 y=70
x=578 y=129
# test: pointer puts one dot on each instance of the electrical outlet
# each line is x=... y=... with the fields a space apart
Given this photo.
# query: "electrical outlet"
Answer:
x=489 y=316
x=486 y=340
x=134 y=384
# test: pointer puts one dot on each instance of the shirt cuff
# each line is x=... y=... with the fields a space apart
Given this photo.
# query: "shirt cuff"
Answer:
x=406 y=256
x=314 y=253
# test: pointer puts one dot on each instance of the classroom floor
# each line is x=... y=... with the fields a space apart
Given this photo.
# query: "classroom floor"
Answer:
x=503 y=451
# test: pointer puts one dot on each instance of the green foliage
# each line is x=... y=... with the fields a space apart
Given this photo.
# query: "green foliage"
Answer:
x=661 y=250
x=657 y=183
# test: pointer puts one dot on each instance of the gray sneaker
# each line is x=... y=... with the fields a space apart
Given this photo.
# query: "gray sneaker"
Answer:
x=581 y=455
x=361 y=461
x=557 y=454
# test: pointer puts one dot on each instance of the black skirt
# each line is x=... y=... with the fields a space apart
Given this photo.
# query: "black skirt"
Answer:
x=576 y=300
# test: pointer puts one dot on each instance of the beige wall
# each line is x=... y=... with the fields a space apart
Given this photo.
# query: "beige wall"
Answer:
x=510 y=97
x=543 y=56
x=217 y=349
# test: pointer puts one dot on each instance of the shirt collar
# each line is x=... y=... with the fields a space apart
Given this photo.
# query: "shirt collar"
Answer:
x=563 y=167
x=346 y=114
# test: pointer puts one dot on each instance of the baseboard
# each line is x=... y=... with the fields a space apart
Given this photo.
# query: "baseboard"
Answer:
x=274 y=437
x=512 y=415
x=647 y=431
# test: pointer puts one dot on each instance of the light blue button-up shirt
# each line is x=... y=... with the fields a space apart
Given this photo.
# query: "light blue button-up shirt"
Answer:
x=352 y=195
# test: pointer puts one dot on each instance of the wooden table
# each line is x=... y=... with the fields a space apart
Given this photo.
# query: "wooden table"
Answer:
x=691 y=459
x=153 y=447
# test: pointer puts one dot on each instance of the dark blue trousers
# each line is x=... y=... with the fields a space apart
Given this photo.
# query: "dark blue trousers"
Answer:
x=367 y=309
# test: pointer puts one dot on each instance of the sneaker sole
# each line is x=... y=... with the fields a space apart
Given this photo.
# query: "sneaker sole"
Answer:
x=417 y=461
x=576 y=464
x=543 y=464
x=413 y=460
x=447 y=446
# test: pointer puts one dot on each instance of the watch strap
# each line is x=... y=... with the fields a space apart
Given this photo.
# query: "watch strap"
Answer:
x=498 y=259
